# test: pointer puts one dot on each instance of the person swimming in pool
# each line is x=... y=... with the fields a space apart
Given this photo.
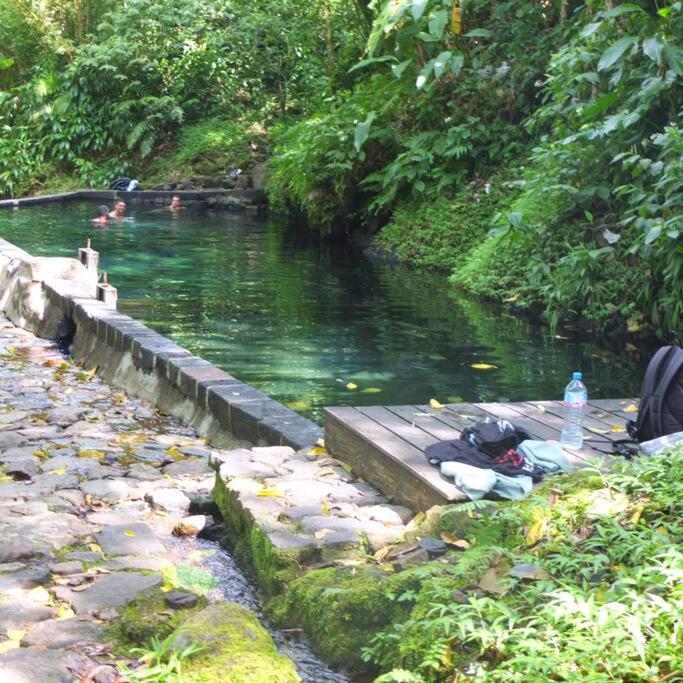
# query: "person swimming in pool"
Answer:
x=119 y=209
x=103 y=217
x=176 y=204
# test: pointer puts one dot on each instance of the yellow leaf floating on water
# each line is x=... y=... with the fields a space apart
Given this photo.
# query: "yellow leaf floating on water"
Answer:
x=371 y=390
x=318 y=450
x=483 y=366
x=129 y=532
x=351 y=386
x=631 y=408
x=436 y=405
x=271 y=493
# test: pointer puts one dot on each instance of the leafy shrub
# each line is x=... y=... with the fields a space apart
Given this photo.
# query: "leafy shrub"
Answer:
x=606 y=606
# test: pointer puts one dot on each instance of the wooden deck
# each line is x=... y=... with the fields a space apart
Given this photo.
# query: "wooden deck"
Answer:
x=385 y=444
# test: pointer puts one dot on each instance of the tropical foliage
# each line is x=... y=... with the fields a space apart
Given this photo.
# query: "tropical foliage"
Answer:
x=532 y=149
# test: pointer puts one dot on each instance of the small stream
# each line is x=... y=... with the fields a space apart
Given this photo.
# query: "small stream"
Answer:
x=233 y=584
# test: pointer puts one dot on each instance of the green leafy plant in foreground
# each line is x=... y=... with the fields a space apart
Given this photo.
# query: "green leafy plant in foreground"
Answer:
x=160 y=662
x=606 y=603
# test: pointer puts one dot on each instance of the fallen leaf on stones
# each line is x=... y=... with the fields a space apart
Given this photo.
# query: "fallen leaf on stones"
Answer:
x=617 y=428
x=492 y=581
x=351 y=386
x=128 y=532
x=387 y=567
x=535 y=532
x=455 y=542
x=39 y=594
x=17 y=634
x=12 y=351
x=483 y=366
x=320 y=442
x=272 y=493
x=81 y=588
x=325 y=508
x=64 y=613
x=161 y=513
x=174 y=453
x=318 y=450
x=50 y=363
x=598 y=430
x=87 y=453
x=382 y=553
x=529 y=572
x=86 y=376
x=106 y=614
x=40 y=454
x=320 y=534
x=436 y=405
x=8 y=645
x=94 y=547
x=402 y=549
x=59 y=470
x=418 y=519
x=631 y=408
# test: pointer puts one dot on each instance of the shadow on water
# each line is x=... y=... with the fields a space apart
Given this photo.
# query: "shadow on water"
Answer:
x=301 y=319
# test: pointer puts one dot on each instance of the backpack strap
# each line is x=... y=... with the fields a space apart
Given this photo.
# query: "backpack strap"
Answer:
x=662 y=387
x=651 y=375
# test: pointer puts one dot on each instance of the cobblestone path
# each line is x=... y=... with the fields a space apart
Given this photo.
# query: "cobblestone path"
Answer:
x=99 y=494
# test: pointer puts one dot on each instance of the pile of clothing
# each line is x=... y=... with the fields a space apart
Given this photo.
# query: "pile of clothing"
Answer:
x=496 y=459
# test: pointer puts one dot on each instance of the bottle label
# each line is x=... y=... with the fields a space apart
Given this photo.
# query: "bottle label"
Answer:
x=566 y=404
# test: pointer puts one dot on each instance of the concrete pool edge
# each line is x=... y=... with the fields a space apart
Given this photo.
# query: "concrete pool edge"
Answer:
x=220 y=198
x=55 y=298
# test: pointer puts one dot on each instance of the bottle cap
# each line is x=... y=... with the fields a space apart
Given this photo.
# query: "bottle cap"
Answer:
x=577 y=375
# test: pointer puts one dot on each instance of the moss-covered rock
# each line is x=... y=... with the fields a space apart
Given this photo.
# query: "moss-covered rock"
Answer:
x=236 y=648
x=341 y=609
x=145 y=618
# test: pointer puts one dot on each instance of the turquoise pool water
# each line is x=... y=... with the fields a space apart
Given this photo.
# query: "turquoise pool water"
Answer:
x=302 y=320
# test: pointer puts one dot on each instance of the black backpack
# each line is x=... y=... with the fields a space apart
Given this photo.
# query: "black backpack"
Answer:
x=661 y=397
x=494 y=438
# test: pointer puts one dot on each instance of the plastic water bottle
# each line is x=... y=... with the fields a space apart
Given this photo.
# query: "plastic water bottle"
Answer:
x=575 y=399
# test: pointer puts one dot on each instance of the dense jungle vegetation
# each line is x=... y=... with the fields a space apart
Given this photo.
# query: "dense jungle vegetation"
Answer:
x=532 y=149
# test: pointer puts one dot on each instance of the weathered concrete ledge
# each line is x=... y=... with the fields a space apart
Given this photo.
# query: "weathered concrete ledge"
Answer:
x=55 y=298
x=228 y=198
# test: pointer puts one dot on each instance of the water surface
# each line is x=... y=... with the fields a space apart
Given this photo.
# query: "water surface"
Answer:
x=302 y=320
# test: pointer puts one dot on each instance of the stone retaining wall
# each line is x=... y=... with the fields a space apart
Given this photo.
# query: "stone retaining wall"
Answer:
x=55 y=297
x=217 y=198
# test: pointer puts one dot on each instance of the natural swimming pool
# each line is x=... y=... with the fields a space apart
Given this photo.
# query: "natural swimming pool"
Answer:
x=301 y=320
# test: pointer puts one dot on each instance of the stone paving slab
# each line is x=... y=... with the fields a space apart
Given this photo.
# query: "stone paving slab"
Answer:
x=94 y=483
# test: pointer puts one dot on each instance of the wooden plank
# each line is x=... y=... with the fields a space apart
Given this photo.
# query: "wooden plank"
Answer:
x=615 y=405
x=397 y=468
x=556 y=408
x=427 y=422
x=403 y=429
